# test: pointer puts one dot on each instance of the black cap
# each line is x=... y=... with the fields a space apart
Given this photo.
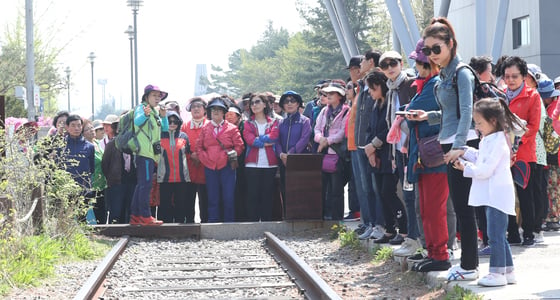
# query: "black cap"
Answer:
x=355 y=61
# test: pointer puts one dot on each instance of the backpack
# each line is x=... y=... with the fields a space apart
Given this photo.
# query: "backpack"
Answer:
x=126 y=140
x=550 y=138
x=482 y=89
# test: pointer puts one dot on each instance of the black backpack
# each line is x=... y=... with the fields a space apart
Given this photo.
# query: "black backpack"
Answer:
x=482 y=89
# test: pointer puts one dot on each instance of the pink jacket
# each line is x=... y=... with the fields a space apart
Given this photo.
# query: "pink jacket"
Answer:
x=251 y=132
x=210 y=153
x=336 y=131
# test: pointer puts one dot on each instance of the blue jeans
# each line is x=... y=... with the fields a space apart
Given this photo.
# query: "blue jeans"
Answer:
x=409 y=198
x=364 y=186
x=220 y=185
x=500 y=258
x=117 y=199
x=140 y=205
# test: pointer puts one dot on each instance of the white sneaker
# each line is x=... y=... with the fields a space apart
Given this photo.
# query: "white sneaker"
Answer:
x=493 y=279
x=366 y=233
x=378 y=232
x=539 y=237
x=408 y=247
x=457 y=273
x=451 y=256
x=510 y=277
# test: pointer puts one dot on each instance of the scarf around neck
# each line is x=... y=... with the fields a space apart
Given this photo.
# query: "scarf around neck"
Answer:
x=512 y=94
x=392 y=96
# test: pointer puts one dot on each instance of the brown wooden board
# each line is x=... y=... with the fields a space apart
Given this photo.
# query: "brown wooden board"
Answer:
x=303 y=187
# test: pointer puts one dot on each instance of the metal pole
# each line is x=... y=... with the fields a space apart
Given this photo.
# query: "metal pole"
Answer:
x=337 y=30
x=135 y=12
x=498 y=39
x=410 y=20
x=348 y=33
x=444 y=8
x=131 y=74
x=480 y=18
x=91 y=59
x=399 y=26
x=30 y=60
x=68 y=82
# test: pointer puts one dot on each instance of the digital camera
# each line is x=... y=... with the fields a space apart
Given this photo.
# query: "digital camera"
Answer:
x=157 y=148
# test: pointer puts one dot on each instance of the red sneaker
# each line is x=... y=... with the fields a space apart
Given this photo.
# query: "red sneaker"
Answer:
x=149 y=221
x=134 y=220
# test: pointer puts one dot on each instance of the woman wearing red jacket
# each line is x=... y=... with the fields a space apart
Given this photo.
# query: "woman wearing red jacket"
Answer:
x=260 y=134
x=218 y=141
x=525 y=103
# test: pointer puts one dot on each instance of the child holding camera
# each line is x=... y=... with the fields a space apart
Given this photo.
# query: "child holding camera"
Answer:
x=149 y=121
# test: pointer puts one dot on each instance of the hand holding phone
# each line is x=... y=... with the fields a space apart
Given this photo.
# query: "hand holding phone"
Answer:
x=405 y=113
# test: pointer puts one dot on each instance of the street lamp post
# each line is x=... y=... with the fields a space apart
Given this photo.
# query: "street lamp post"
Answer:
x=67 y=70
x=91 y=59
x=130 y=32
x=135 y=5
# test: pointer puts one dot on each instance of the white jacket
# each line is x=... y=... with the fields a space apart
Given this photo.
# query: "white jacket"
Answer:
x=489 y=168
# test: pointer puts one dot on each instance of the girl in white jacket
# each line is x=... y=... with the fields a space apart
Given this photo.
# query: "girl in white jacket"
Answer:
x=492 y=183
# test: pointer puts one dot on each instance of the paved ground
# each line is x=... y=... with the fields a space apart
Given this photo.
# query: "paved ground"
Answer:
x=535 y=269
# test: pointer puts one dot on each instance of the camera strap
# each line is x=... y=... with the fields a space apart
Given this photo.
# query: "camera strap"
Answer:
x=222 y=145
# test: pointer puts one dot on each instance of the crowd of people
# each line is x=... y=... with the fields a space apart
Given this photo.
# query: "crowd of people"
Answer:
x=371 y=130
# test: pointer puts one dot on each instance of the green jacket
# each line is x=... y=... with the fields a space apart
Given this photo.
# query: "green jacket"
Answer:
x=148 y=130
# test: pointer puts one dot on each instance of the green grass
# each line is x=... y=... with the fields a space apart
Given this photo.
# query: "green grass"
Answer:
x=382 y=254
x=459 y=293
x=25 y=262
x=346 y=236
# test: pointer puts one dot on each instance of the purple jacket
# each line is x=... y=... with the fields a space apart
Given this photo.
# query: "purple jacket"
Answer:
x=294 y=132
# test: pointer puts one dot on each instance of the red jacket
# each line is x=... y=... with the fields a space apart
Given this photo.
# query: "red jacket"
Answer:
x=251 y=132
x=196 y=170
x=527 y=106
x=210 y=152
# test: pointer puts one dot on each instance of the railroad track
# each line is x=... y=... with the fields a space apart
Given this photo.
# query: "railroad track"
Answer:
x=206 y=269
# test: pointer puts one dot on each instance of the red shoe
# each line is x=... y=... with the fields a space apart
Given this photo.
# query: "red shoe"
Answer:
x=149 y=221
x=134 y=220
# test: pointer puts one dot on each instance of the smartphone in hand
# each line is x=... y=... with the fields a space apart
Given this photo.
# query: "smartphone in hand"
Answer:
x=405 y=113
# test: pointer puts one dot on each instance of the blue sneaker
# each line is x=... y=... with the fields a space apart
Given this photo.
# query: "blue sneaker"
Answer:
x=484 y=251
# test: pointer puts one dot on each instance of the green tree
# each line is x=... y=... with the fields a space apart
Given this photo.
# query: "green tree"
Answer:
x=13 y=67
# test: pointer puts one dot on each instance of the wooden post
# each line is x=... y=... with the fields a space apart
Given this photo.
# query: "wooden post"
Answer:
x=37 y=214
x=303 y=187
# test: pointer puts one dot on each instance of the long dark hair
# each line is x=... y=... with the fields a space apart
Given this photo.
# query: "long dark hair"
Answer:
x=264 y=99
x=498 y=110
x=440 y=28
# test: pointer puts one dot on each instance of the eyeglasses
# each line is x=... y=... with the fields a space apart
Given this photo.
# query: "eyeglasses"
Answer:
x=323 y=94
x=173 y=121
x=384 y=66
x=256 y=102
x=512 y=76
x=216 y=109
x=436 y=49
x=290 y=100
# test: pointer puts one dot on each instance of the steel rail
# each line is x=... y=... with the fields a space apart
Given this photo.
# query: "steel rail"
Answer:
x=312 y=285
x=94 y=282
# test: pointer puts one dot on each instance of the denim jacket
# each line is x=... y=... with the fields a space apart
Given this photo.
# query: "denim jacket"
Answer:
x=446 y=97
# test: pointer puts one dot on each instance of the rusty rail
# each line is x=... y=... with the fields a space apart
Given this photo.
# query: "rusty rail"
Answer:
x=312 y=285
x=94 y=282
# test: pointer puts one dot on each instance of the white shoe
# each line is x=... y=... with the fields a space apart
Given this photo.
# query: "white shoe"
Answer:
x=366 y=233
x=378 y=232
x=408 y=247
x=457 y=273
x=539 y=237
x=493 y=279
x=451 y=256
x=510 y=277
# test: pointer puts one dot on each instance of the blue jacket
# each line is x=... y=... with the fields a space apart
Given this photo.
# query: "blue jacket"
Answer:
x=427 y=102
x=378 y=130
x=294 y=133
x=446 y=97
x=80 y=160
x=363 y=115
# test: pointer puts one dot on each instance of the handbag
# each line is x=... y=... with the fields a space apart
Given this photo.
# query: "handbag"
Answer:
x=521 y=171
x=329 y=163
x=430 y=153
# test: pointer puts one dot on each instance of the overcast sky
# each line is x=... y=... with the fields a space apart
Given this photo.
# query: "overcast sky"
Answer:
x=173 y=36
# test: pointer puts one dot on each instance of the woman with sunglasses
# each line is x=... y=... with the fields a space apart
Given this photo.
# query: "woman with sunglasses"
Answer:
x=260 y=134
x=329 y=135
x=173 y=174
x=457 y=131
x=293 y=133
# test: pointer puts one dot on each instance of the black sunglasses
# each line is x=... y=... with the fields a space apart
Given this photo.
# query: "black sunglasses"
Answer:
x=436 y=49
x=290 y=100
x=258 y=101
x=384 y=66
x=173 y=121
